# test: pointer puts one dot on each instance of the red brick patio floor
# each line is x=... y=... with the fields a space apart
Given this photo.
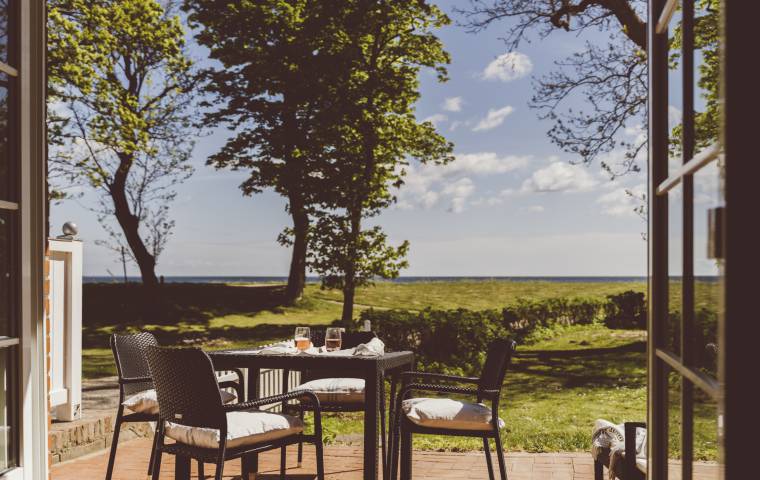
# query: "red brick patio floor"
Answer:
x=345 y=463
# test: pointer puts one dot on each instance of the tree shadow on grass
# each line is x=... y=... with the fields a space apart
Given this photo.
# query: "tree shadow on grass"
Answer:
x=131 y=304
x=180 y=313
x=539 y=373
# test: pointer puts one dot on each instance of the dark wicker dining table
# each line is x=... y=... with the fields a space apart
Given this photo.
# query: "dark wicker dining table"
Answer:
x=373 y=369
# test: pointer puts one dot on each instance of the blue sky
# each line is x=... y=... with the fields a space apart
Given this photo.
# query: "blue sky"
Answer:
x=510 y=204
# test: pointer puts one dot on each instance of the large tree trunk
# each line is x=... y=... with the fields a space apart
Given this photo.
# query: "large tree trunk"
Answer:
x=297 y=275
x=130 y=225
x=349 y=291
x=349 y=285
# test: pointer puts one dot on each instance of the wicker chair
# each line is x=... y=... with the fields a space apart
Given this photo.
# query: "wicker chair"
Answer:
x=487 y=426
x=631 y=470
x=134 y=378
x=191 y=409
x=349 y=340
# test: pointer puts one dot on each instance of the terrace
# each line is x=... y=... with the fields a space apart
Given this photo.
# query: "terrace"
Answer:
x=319 y=102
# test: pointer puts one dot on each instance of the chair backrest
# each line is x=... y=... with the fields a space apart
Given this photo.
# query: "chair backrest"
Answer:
x=129 y=355
x=497 y=360
x=186 y=387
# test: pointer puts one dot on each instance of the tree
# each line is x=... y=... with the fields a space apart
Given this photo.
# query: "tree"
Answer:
x=122 y=83
x=269 y=90
x=610 y=78
x=383 y=47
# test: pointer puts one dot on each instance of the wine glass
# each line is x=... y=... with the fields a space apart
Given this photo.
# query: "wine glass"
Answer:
x=303 y=338
x=332 y=339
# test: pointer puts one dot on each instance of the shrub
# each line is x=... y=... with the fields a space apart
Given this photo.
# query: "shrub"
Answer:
x=443 y=340
x=457 y=340
x=527 y=315
x=626 y=310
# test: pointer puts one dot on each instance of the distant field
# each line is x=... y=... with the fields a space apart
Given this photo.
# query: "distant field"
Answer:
x=479 y=295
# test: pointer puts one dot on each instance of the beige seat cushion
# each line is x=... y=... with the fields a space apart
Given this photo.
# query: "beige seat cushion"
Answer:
x=147 y=401
x=336 y=390
x=244 y=428
x=448 y=413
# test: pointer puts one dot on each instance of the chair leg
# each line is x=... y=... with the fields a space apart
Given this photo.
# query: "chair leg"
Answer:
x=153 y=452
x=181 y=468
x=201 y=473
x=114 y=442
x=489 y=462
x=500 y=457
x=598 y=471
x=300 y=444
x=406 y=453
x=283 y=461
x=219 y=469
x=157 y=456
x=395 y=445
x=320 y=458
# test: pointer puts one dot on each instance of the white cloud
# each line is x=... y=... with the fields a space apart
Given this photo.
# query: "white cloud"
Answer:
x=457 y=123
x=621 y=202
x=493 y=119
x=459 y=191
x=436 y=119
x=453 y=104
x=484 y=163
x=426 y=186
x=560 y=177
x=507 y=67
x=536 y=209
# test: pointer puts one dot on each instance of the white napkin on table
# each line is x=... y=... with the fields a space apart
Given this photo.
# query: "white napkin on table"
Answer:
x=287 y=346
x=373 y=348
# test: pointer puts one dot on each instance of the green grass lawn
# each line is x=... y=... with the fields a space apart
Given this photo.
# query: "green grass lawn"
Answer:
x=562 y=380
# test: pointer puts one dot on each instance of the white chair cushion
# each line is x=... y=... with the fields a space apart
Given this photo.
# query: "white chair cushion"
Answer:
x=447 y=413
x=245 y=427
x=336 y=390
x=147 y=401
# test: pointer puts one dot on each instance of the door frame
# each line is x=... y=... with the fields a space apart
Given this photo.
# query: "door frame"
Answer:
x=738 y=331
x=31 y=138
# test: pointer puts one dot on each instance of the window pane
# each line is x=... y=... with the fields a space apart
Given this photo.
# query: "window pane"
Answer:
x=5 y=274
x=706 y=449
x=674 y=424
x=7 y=434
x=5 y=170
x=675 y=270
x=708 y=270
x=4 y=14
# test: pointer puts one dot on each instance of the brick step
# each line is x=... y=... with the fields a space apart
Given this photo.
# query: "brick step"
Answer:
x=94 y=432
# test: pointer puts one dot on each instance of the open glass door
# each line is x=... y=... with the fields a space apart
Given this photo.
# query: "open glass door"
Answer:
x=687 y=247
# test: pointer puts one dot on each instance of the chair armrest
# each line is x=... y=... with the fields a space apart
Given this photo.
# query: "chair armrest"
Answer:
x=440 y=376
x=296 y=394
x=125 y=380
x=437 y=388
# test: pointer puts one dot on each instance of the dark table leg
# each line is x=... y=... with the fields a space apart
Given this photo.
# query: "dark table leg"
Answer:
x=181 y=468
x=372 y=391
x=250 y=462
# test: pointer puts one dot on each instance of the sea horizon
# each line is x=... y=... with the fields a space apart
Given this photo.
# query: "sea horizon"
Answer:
x=402 y=279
